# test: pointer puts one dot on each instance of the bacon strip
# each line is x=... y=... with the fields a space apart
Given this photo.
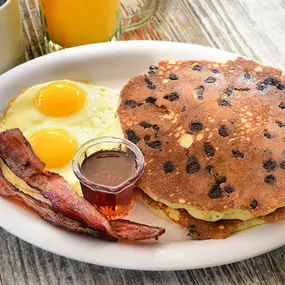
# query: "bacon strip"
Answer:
x=46 y=212
x=129 y=230
x=18 y=155
x=24 y=162
x=66 y=201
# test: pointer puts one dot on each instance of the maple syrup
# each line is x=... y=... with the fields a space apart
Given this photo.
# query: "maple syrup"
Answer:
x=108 y=177
x=109 y=168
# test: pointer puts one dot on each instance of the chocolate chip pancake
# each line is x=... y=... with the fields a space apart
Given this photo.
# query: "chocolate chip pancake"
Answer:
x=213 y=136
x=199 y=229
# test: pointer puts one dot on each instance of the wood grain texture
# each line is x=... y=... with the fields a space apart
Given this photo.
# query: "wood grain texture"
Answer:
x=253 y=28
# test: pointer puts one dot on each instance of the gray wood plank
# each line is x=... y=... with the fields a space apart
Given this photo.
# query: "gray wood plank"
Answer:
x=23 y=263
x=253 y=28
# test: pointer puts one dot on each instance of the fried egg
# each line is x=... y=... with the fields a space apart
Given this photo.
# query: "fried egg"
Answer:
x=58 y=117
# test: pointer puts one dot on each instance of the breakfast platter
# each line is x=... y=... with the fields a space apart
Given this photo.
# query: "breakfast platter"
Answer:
x=200 y=133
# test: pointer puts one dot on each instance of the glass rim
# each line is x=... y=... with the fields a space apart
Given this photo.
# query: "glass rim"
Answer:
x=101 y=187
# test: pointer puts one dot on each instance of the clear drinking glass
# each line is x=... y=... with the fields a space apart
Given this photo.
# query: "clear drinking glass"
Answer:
x=104 y=180
x=69 y=23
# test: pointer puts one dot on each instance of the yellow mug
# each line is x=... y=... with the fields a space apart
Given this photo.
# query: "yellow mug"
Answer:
x=69 y=23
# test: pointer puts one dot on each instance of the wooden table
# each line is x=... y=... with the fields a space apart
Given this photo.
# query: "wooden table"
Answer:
x=253 y=28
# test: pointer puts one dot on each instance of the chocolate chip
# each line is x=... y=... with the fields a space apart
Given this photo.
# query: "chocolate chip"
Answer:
x=247 y=75
x=27 y=163
x=153 y=87
x=224 y=103
x=156 y=127
x=210 y=79
x=269 y=164
x=168 y=167
x=221 y=179
x=151 y=73
x=261 y=86
x=150 y=85
x=270 y=179
x=215 y=71
x=270 y=81
x=132 y=136
x=173 y=76
x=229 y=91
x=209 y=149
x=282 y=164
x=209 y=168
x=173 y=96
x=192 y=165
x=197 y=67
x=280 y=86
x=200 y=90
x=192 y=229
x=156 y=136
x=215 y=192
x=229 y=189
x=224 y=131
x=147 y=138
x=145 y=125
x=154 y=144
x=150 y=99
x=253 y=205
x=147 y=81
x=196 y=126
x=193 y=232
x=282 y=105
x=153 y=67
x=131 y=103
x=280 y=124
x=237 y=154
x=267 y=134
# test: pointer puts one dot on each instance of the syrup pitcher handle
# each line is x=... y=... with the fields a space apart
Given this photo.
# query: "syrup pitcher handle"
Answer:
x=138 y=19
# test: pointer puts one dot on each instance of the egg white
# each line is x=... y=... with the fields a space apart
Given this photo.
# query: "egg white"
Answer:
x=95 y=118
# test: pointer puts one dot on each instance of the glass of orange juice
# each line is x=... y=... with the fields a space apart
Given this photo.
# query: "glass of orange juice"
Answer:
x=69 y=23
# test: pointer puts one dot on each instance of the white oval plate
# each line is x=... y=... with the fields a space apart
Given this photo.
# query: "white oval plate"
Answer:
x=112 y=64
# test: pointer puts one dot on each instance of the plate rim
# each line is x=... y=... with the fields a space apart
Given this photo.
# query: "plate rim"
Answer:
x=79 y=51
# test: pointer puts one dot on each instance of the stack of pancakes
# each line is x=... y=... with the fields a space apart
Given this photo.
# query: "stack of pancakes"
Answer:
x=213 y=137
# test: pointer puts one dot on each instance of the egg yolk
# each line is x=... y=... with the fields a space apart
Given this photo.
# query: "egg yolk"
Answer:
x=59 y=99
x=55 y=147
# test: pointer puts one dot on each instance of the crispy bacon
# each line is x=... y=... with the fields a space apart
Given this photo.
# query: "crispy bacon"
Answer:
x=25 y=162
x=129 y=230
x=46 y=212
x=65 y=200
x=18 y=155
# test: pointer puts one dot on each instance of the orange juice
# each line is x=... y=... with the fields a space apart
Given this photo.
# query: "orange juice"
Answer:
x=79 y=22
